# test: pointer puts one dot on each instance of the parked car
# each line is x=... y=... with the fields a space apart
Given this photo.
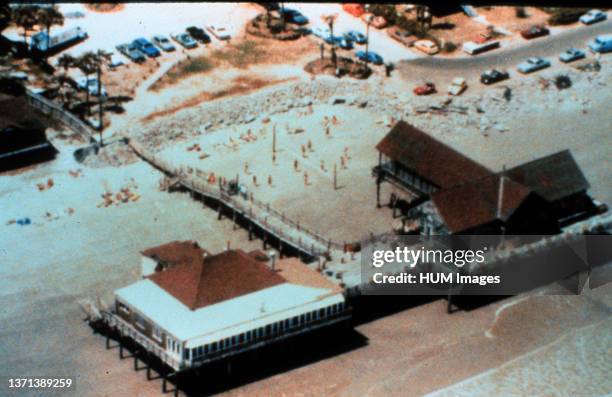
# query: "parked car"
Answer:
x=426 y=46
x=371 y=57
x=571 y=55
x=493 y=76
x=293 y=16
x=219 y=32
x=593 y=16
x=340 y=41
x=533 y=64
x=185 y=40
x=534 y=31
x=601 y=44
x=133 y=53
x=401 y=35
x=198 y=34
x=377 y=21
x=163 y=43
x=146 y=47
x=425 y=89
x=355 y=37
x=458 y=85
x=90 y=85
x=355 y=9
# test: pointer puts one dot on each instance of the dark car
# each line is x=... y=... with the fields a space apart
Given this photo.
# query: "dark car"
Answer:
x=355 y=36
x=340 y=41
x=493 y=76
x=369 y=57
x=534 y=31
x=294 y=16
x=198 y=34
x=146 y=47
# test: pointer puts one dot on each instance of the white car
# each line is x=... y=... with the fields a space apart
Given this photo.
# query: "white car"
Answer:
x=457 y=86
x=90 y=85
x=219 y=32
x=593 y=16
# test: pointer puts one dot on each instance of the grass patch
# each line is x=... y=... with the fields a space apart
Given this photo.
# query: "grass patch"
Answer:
x=182 y=70
x=242 y=54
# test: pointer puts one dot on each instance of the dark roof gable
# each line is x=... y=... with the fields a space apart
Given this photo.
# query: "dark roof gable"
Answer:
x=429 y=157
x=553 y=177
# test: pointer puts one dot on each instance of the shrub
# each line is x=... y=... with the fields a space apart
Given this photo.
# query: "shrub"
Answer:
x=563 y=81
x=449 y=46
x=520 y=12
x=564 y=16
x=386 y=11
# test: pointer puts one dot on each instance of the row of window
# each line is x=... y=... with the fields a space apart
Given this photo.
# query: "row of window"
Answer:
x=262 y=332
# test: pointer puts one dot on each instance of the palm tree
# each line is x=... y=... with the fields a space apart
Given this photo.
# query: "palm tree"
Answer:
x=101 y=58
x=329 y=20
x=49 y=16
x=66 y=61
x=87 y=64
x=26 y=18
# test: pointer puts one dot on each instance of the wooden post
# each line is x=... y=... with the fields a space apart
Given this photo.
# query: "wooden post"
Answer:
x=250 y=230
x=335 y=176
x=378 y=190
x=274 y=139
x=233 y=219
x=148 y=365
x=219 y=216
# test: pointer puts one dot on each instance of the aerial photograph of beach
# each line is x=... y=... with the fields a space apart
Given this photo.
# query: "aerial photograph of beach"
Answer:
x=305 y=199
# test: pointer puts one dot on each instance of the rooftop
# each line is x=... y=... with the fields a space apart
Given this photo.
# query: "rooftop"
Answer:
x=430 y=158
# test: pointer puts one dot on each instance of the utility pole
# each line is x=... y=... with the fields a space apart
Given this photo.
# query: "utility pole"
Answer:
x=367 y=44
x=274 y=139
x=335 y=176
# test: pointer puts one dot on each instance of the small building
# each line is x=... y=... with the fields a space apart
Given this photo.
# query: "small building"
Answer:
x=23 y=140
x=459 y=196
x=205 y=307
x=415 y=161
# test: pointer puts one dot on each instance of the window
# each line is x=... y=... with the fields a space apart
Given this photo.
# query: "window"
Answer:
x=194 y=352
x=274 y=328
x=340 y=306
x=157 y=334
x=139 y=322
x=186 y=354
x=334 y=309
x=206 y=349
x=233 y=341
x=248 y=336
x=241 y=338
x=123 y=308
x=329 y=310
x=268 y=329
x=222 y=344
x=287 y=323
x=302 y=319
x=200 y=350
x=307 y=317
x=213 y=347
x=321 y=313
x=295 y=321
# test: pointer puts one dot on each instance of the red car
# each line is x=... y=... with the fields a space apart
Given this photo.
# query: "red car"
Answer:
x=534 y=31
x=425 y=89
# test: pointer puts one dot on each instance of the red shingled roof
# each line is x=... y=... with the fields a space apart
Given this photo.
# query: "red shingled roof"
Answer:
x=216 y=278
x=176 y=252
x=429 y=157
x=466 y=206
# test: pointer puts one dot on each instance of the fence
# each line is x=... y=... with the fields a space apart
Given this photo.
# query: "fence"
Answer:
x=307 y=244
x=55 y=111
x=246 y=207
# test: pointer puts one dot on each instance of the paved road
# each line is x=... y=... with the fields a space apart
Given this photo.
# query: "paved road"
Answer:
x=506 y=57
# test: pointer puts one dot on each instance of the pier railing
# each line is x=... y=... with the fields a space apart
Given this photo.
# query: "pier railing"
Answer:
x=56 y=112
